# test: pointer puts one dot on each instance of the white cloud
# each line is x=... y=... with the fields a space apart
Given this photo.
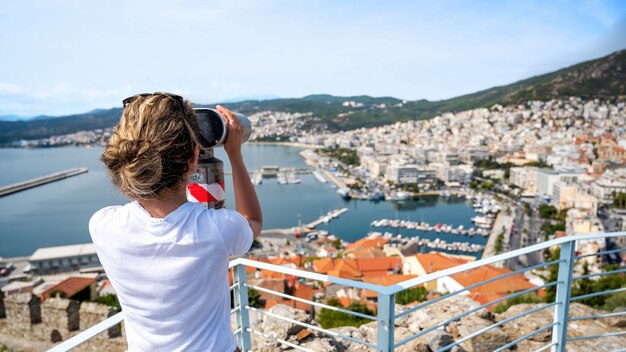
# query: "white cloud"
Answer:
x=60 y=98
x=9 y=89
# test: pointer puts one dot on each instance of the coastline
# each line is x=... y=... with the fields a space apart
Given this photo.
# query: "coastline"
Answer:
x=288 y=144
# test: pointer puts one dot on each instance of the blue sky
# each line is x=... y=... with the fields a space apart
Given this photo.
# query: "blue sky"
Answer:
x=62 y=57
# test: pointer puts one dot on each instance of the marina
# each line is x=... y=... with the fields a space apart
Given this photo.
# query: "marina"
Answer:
x=284 y=175
x=424 y=226
x=426 y=244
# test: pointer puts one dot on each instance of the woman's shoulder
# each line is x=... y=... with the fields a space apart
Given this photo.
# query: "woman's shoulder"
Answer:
x=104 y=216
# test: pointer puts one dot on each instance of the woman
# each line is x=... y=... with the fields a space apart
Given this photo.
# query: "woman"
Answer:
x=167 y=258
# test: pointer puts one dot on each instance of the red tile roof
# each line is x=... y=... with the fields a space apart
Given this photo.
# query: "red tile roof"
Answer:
x=365 y=243
x=435 y=261
x=495 y=289
x=69 y=287
x=385 y=280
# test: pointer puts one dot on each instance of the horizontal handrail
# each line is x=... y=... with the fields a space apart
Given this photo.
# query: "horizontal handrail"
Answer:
x=491 y=260
x=532 y=333
x=599 y=316
x=468 y=312
x=392 y=290
x=587 y=337
x=600 y=253
x=599 y=274
x=308 y=274
x=467 y=288
x=88 y=333
x=388 y=290
x=321 y=305
x=593 y=294
x=501 y=322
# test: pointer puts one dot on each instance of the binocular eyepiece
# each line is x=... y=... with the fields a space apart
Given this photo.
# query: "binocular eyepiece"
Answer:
x=214 y=127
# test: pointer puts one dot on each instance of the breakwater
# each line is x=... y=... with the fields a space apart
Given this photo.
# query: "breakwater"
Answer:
x=39 y=181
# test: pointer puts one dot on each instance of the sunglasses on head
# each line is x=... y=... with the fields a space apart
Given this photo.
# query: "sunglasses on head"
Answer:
x=176 y=98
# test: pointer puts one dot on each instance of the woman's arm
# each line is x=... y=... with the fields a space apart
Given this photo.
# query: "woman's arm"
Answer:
x=246 y=201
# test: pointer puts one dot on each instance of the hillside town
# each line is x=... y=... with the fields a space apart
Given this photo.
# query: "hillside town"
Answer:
x=545 y=170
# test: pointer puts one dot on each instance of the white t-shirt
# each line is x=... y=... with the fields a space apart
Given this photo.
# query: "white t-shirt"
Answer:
x=171 y=274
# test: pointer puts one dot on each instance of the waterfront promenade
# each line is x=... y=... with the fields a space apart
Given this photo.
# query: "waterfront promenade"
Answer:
x=504 y=223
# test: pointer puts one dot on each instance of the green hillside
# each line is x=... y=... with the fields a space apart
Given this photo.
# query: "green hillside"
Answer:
x=603 y=78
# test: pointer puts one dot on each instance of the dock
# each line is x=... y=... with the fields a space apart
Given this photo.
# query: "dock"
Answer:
x=324 y=219
x=39 y=181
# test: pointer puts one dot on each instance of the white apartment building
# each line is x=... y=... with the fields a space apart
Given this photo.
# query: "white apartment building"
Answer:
x=610 y=183
x=546 y=179
x=402 y=174
x=524 y=177
x=64 y=258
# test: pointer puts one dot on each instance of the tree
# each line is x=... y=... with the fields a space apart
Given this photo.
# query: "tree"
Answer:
x=411 y=295
x=553 y=274
x=332 y=319
x=499 y=242
x=547 y=211
x=530 y=297
x=254 y=299
x=548 y=228
x=487 y=185
x=109 y=300
x=619 y=200
x=336 y=243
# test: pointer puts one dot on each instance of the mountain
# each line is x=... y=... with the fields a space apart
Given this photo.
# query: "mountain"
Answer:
x=41 y=128
x=13 y=118
x=603 y=78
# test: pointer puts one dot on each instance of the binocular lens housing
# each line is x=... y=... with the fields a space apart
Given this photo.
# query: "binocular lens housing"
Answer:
x=214 y=127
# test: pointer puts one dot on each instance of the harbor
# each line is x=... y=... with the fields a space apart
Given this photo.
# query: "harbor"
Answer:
x=424 y=244
x=283 y=175
x=284 y=206
x=424 y=226
x=40 y=181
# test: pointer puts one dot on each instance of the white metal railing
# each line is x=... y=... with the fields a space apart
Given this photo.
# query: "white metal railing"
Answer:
x=386 y=315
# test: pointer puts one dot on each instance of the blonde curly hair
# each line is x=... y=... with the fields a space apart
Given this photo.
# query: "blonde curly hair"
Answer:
x=151 y=146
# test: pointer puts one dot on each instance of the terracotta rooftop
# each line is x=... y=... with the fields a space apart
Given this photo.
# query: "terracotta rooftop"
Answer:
x=434 y=261
x=69 y=287
x=493 y=290
x=365 y=243
x=386 y=280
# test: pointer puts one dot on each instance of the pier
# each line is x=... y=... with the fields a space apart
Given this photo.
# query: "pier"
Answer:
x=324 y=219
x=39 y=181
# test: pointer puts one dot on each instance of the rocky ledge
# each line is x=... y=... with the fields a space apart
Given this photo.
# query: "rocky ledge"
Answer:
x=411 y=324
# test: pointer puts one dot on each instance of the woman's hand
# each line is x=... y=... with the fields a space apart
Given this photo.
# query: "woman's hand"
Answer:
x=232 y=145
x=246 y=201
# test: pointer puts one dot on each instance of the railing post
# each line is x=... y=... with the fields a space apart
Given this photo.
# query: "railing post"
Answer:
x=241 y=301
x=386 y=312
x=563 y=291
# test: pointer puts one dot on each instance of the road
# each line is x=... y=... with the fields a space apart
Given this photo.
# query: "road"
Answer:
x=532 y=224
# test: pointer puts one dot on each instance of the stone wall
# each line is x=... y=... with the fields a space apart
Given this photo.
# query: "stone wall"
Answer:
x=60 y=316
x=23 y=310
x=2 y=311
x=93 y=313
x=29 y=322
